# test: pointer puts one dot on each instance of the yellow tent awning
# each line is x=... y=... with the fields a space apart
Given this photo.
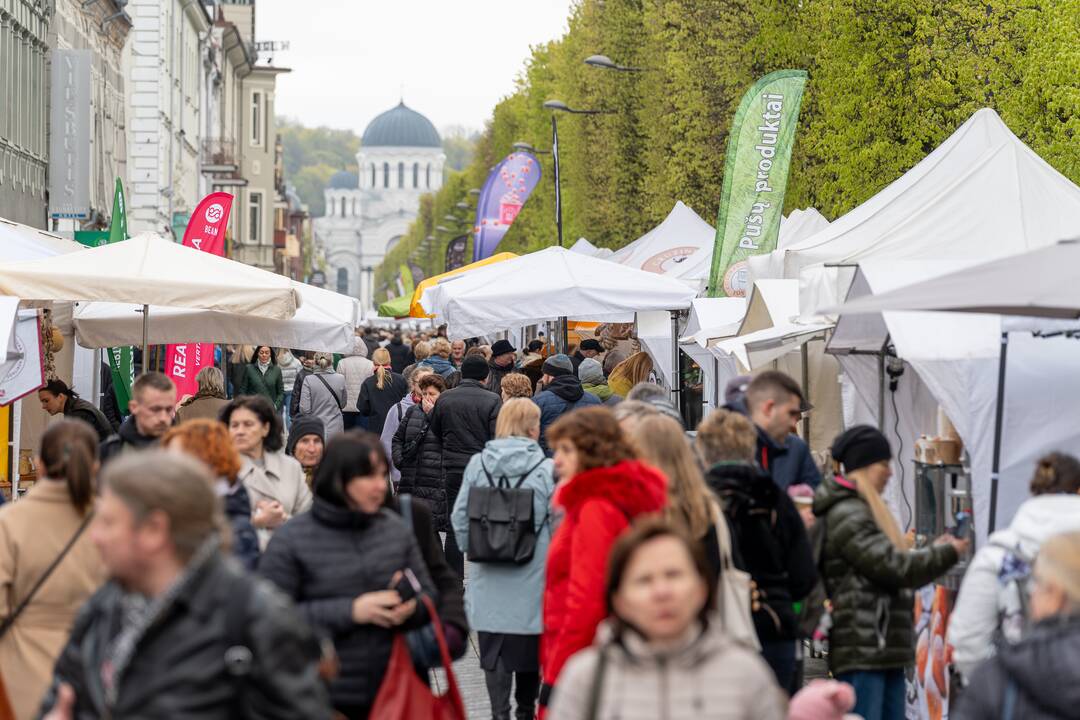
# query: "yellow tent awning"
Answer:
x=417 y=311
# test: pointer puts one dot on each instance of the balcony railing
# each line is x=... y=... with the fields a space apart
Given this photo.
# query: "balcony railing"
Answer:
x=219 y=155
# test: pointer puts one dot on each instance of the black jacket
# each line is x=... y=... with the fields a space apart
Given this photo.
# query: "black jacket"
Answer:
x=495 y=375
x=463 y=420
x=109 y=406
x=374 y=403
x=178 y=668
x=245 y=542
x=870 y=583
x=1042 y=671
x=769 y=542
x=401 y=356
x=80 y=409
x=128 y=437
x=417 y=454
x=298 y=385
x=451 y=604
x=325 y=559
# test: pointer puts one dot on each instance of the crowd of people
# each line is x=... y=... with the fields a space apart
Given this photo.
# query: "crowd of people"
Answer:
x=263 y=547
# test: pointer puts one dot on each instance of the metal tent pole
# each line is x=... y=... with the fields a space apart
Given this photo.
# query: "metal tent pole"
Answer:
x=145 y=336
x=805 y=352
x=676 y=376
x=999 y=417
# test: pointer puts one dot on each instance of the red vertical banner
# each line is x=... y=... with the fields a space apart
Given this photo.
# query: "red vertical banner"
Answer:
x=205 y=231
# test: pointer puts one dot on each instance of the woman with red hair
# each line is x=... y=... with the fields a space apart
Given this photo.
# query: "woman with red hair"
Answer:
x=602 y=487
x=209 y=441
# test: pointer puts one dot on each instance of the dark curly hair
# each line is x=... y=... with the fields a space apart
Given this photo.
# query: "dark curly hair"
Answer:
x=596 y=434
x=264 y=410
x=1056 y=473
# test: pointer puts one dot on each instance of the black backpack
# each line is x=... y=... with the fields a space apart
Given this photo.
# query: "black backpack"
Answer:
x=502 y=527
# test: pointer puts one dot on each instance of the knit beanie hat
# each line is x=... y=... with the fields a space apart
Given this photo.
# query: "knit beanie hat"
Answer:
x=558 y=365
x=591 y=372
x=822 y=700
x=301 y=426
x=474 y=367
x=859 y=447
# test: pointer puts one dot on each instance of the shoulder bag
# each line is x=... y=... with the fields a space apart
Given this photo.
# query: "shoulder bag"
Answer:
x=734 y=593
x=10 y=619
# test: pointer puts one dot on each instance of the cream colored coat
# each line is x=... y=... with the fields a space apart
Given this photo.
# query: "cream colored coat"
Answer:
x=33 y=531
x=282 y=479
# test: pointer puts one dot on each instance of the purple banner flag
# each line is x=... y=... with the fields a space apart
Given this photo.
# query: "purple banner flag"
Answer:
x=501 y=199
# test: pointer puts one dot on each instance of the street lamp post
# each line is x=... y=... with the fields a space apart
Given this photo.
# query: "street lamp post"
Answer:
x=557 y=106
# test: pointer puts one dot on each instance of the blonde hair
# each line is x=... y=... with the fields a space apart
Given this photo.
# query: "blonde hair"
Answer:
x=883 y=517
x=726 y=436
x=661 y=442
x=421 y=350
x=440 y=347
x=516 y=385
x=630 y=372
x=1059 y=560
x=381 y=358
x=517 y=418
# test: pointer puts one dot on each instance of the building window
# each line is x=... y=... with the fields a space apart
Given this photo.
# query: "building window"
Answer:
x=372 y=174
x=344 y=207
x=256 y=118
x=332 y=208
x=427 y=180
x=401 y=174
x=255 y=206
x=416 y=175
x=343 y=281
x=386 y=174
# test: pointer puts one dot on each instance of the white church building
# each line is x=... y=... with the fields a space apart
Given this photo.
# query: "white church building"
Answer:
x=400 y=158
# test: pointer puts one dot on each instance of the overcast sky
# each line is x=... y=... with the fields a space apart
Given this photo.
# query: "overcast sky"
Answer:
x=452 y=61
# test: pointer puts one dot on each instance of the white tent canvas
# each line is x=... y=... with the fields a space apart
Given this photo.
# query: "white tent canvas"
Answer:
x=681 y=246
x=982 y=194
x=19 y=243
x=150 y=270
x=799 y=225
x=585 y=247
x=325 y=320
x=547 y=285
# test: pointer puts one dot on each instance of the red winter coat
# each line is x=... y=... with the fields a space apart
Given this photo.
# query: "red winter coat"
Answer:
x=599 y=505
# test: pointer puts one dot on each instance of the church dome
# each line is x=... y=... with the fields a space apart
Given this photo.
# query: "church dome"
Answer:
x=344 y=180
x=401 y=127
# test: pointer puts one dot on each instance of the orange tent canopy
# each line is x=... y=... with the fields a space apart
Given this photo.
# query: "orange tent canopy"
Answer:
x=417 y=311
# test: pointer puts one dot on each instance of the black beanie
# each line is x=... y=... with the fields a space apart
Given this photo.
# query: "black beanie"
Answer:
x=859 y=447
x=301 y=426
x=474 y=367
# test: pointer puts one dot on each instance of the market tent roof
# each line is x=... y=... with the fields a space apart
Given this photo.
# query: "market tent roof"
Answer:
x=9 y=311
x=325 y=320
x=799 y=225
x=681 y=246
x=981 y=195
x=585 y=247
x=397 y=307
x=150 y=270
x=19 y=243
x=417 y=311
x=549 y=284
x=1043 y=282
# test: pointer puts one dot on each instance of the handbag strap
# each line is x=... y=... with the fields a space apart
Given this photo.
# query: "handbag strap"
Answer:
x=593 y=708
x=444 y=650
x=10 y=619
x=332 y=393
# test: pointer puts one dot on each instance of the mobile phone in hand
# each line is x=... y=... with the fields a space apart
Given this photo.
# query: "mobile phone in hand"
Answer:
x=408 y=587
x=963 y=525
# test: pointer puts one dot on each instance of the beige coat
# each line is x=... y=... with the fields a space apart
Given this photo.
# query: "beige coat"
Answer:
x=33 y=531
x=282 y=479
x=706 y=675
x=207 y=408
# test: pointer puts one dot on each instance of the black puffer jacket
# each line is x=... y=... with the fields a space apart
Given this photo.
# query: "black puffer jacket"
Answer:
x=769 y=542
x=178 y=667
x=1042 y=672
x=80 y=409
x=463 y=420
x=869 y=582
x=417 y=455
x=325 y=559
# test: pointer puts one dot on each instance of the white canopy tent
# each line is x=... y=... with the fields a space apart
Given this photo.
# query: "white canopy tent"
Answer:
x=150 y=270
x=953 y=359
x=19 y=243
x=681 y=246
x=799 y=225
x=9 y=310
x=982 y=194
x=325 y=320
x=585 y=247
